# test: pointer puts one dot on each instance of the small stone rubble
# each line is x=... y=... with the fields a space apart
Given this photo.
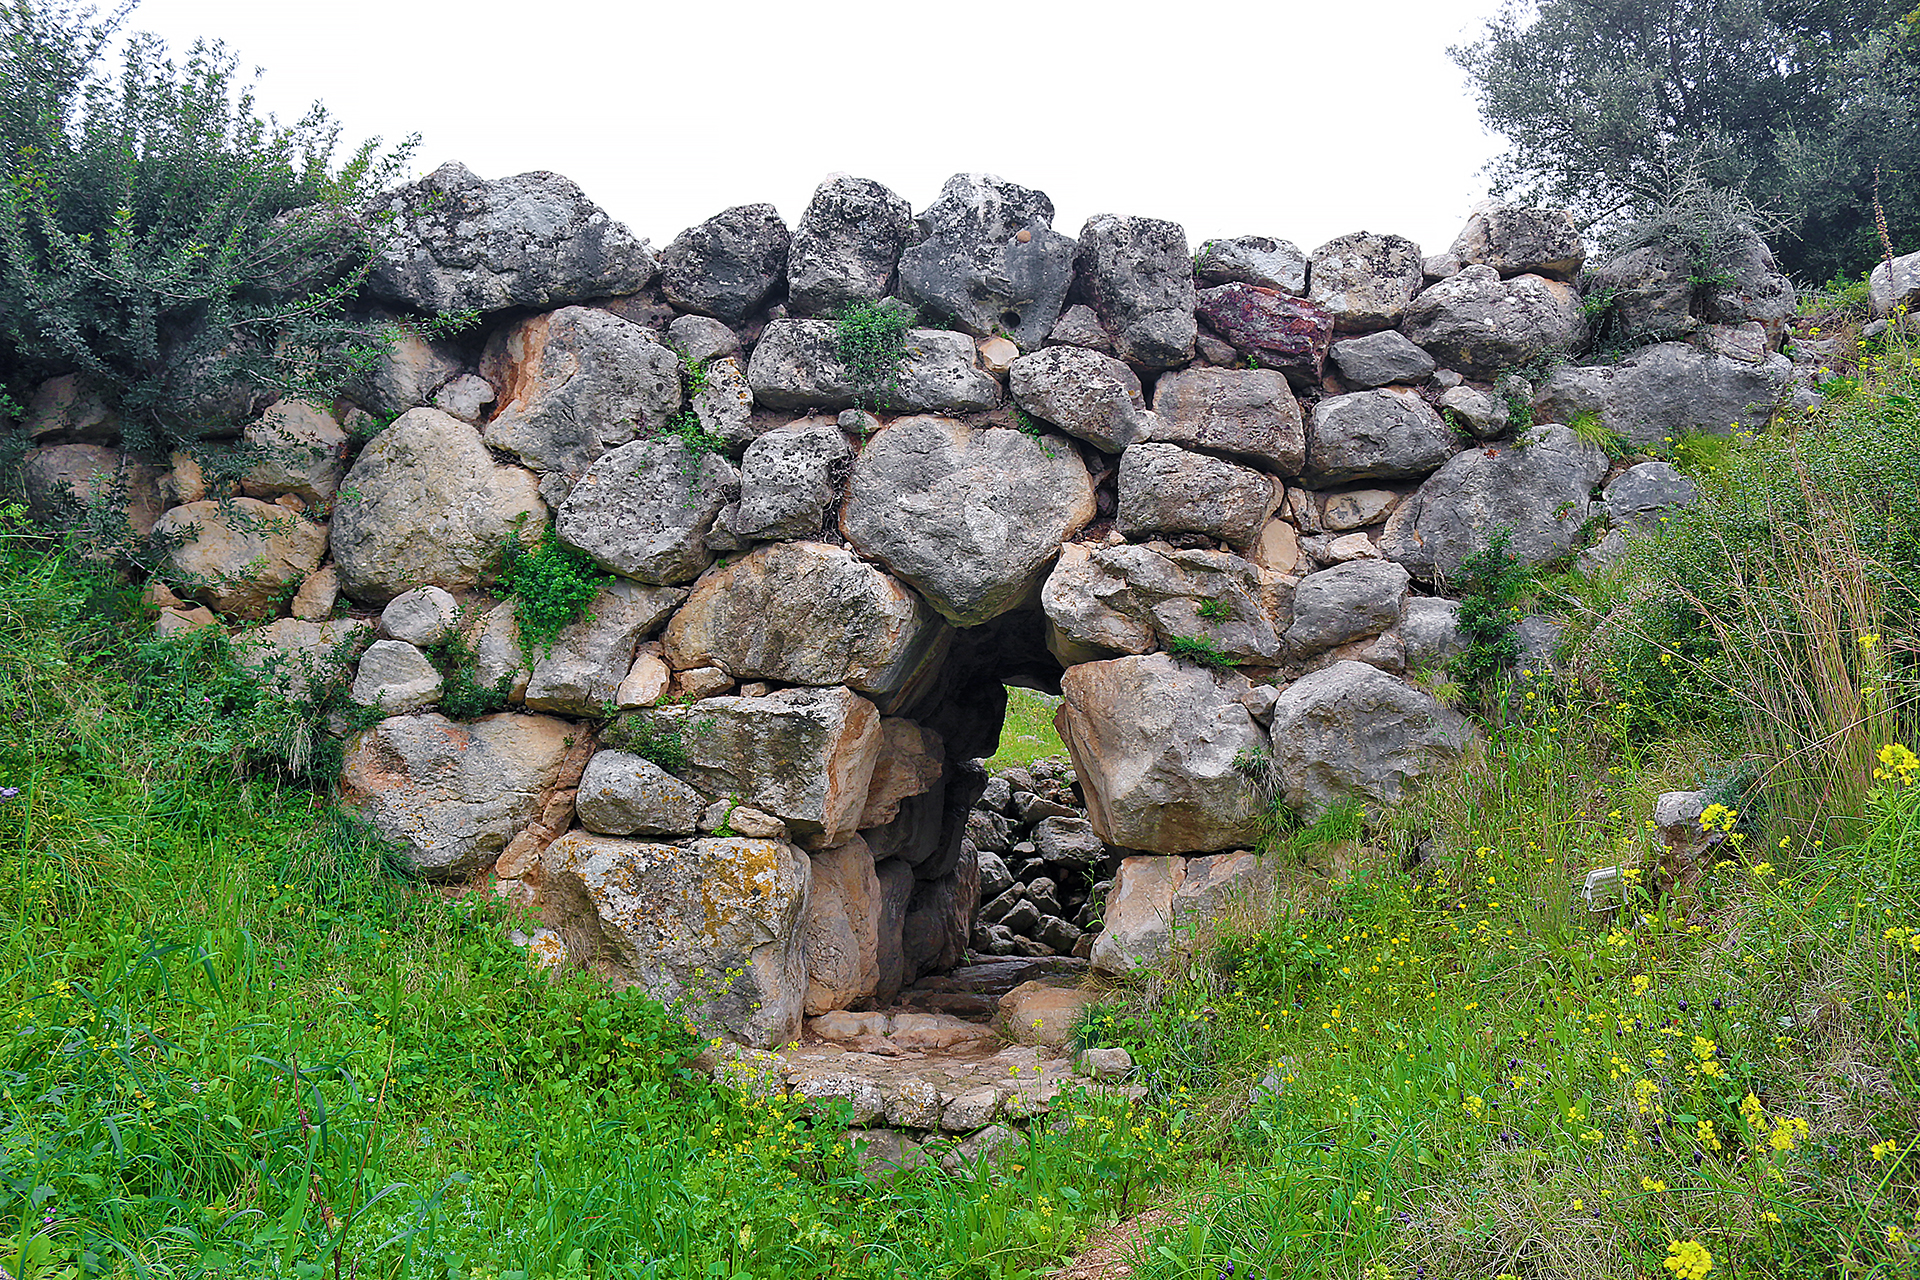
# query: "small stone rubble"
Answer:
x=1041 y=864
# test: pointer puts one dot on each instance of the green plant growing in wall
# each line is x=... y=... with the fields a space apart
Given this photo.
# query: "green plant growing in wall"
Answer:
x=1201 y=650
x=1490 y=584
x=653 y=738
x=870 y=339
x=1214 y=610
x=550 y=584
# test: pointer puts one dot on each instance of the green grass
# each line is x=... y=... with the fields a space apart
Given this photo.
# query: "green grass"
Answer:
x=1027 y=734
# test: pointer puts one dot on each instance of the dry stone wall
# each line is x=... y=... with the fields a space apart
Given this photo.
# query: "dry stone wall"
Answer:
x=1212 y=493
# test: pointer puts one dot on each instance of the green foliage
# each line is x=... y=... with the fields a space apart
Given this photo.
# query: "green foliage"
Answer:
x=871 y=342
x=1612 y=107
x=655 y=737
x=1490 y=584
x=462 y=696
x=160 y=239
x=551 y=585
x=1214 y=610
x=1200 y=649
x=1780 y=605
x=1587 y=425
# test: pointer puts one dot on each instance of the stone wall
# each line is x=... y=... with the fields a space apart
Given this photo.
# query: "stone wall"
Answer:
x=1212 y=494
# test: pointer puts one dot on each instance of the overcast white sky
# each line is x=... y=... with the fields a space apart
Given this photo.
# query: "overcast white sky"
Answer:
x=1303 y=121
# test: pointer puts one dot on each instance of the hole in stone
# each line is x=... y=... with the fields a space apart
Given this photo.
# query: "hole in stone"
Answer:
x=1011 y=319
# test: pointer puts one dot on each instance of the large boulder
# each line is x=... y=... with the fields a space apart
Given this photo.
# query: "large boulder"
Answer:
x=1517 y=241
x=1894 y=284
x=298 y=449
x=426 y=504
x=1249 y=414
x=301 y=660
x=1385 y=434
x=240 y=556
x=1256 y=260
x=1278 y=331
x=1376 y=359
x=70 y=410
x=394 y=677
x=723 y=402
x=806 y=613
x=1536 y=493
x=729 y=266
x=452 y=795
x=841 y=929
x=1166 y=489
x=1655 y=290
x=1155 y=743
x=911 y=762
x=622 y=794
x=788 y=481
x=711 y=927
x=847 y=246
x=1353 y=730
x=1668 y=389
x=1365 y=280
x=986 y=256
x=644 y=510
x=805 y=756
x=939 y=921
x=1082 y=392
x=575 y=383
x=1479 y=324
x=797 y=365
x=580 y=674
x=1347 y=602
x=1136 y=927
x=1137 y=276
x=1128 y=599
x=1642 y=496
x=970 y=517
x=62 y=481
x=405 y=373
x=457 y=242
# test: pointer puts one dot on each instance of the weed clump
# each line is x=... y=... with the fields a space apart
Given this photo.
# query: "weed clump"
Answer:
x=1490 y=585
x=870 y=339
x=550 y=583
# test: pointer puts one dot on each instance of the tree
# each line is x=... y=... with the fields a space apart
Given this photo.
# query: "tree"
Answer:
x=161 y=239
x=1606 y=104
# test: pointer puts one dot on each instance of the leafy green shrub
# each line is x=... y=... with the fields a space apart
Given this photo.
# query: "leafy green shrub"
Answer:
x=462 y=697
x=654 y=737
x=551 y=584
x=1490 y=584
x=1201 y=650
x=870 y=339
x=160 y=239
x=1214 y=610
